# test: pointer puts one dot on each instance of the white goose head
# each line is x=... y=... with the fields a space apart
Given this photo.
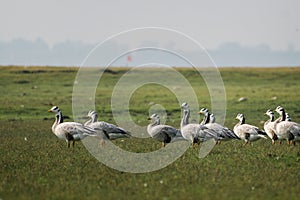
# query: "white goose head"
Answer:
x=279 y=110
x=55 y=110
x=203 y=111
x=240 y=117
x=153 y=117
x=58 y=116
x=155 y=120
x=92 y=113
x=269 y=113
x=185 y=106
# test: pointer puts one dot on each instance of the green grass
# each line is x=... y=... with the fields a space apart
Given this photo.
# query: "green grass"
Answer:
x=35 y=164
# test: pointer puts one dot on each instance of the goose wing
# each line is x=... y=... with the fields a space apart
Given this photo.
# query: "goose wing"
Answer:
x=74 y=130
x=252 y=130
x=164 y=129
x=203 y=133
x=222 y=131
x=109 y=128
x=295 y=129
x=163 y=136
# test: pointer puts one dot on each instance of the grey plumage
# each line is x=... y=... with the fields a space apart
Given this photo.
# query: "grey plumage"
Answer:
x=247 y=132
x=222 y=133
x=195 y=133
x=287 y=130
x=162 y=133
x=110 y=130
x=270 y=126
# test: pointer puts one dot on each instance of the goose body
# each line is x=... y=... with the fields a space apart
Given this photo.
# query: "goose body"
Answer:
x=222 y=133
x=70 y=131
x=270 y=126
x=195 y=133
x=247 y=132
x=110 y=130
x=286 y=130
x=162 y=133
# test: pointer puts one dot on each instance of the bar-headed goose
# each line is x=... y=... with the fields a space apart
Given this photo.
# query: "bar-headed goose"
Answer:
x=162 y=133
x=286 y=129
x=247 y=132
x=270 y=126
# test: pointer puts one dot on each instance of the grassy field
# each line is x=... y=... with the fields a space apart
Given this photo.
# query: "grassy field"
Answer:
x=36 y=165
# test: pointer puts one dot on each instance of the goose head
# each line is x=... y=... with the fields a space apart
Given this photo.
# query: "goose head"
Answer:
x=203 y=111
x=54 y=109
x=240 y=117
x=185 y=106
x=279 y=110
x=153 y=117
x=269 y=113
x=92 y=113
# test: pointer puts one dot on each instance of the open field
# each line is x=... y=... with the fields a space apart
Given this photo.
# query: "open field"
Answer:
x=36 y=165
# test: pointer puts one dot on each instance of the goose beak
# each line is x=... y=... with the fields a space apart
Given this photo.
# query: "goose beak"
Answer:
x=199 y=113
x=49 y=110
x=149 y=118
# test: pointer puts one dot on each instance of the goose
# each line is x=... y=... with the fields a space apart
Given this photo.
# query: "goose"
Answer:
x=270 y=126
x=286 y=129
x=162 y=133
x=223 y=133
x=112 y=131
x=195 y=133
x=71 y=131
x=247 y=132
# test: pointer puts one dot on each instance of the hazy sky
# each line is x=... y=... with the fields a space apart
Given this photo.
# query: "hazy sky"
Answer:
x=211 y=22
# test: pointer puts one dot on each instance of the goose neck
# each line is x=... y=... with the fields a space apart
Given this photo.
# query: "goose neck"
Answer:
x=58 y=120
x=283 y=116
x=156 y=122
x=94 y=118
x=185 y=118
x=206 y=118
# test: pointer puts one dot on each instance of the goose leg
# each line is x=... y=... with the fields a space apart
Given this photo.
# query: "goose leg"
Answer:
x=73 y=143
x=247 y=142
x=291 y=142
